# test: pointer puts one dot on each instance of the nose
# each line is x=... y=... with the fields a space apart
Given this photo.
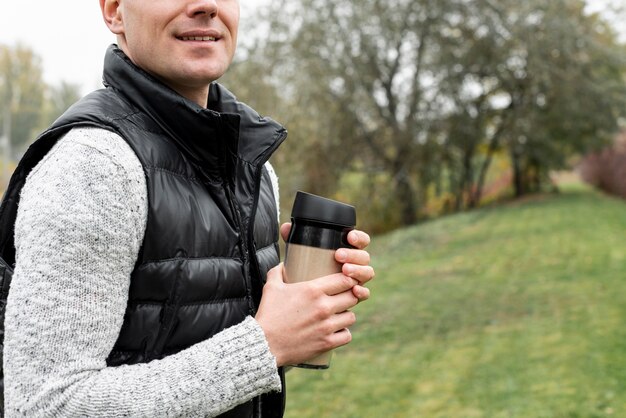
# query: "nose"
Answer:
x=203 y=7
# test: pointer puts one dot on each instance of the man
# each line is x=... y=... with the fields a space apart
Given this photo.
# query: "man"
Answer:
x=144 y=234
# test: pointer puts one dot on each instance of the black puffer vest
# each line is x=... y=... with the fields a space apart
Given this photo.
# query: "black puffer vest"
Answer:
x=212 y=229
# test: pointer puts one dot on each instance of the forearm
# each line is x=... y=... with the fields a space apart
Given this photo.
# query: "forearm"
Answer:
x=205 y=380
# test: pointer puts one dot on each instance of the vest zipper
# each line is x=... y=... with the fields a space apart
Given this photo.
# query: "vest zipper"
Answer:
x=254 y=262
x=243 y=245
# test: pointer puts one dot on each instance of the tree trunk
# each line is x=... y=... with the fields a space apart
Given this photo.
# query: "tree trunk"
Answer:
x=468 y=175
x=482 y=176
x=406 y=198
x=459 y=198
x=477 y=194
x=456 y=189
x=518 y=173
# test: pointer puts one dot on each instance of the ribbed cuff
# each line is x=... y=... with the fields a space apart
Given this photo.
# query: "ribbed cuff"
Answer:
x=245 y=352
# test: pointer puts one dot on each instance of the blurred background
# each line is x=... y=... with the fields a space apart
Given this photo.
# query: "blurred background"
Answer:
x=484 y=145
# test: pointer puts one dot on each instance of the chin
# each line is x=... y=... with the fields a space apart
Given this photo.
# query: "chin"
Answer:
x=206 y=77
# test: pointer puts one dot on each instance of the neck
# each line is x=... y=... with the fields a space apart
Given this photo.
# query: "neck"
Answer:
x=197 y=94
x=200 y=95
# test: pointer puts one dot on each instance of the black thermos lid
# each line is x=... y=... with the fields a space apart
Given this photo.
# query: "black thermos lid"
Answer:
x=320 y=209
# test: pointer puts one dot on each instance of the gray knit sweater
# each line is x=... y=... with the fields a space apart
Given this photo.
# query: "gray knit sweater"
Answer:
x=79 y=227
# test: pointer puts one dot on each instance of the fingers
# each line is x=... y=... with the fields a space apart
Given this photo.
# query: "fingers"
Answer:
x=358 y=239
x=342 y=302
x=338 y=333
x=361 y=293
x=362 y=274
x=284 y=230
x=355 y=264
x=337 y=339
x=348 y=255
x=334 y=284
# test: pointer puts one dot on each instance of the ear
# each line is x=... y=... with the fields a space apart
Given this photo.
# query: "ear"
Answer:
x=112 y=14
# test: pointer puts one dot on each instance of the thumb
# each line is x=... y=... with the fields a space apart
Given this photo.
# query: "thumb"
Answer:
x=284 y=230
x=275 y=275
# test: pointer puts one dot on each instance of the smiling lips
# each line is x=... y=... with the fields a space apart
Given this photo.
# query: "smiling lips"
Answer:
x=197 y=38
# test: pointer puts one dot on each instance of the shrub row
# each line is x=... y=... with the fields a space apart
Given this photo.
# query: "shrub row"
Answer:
x=606 y=169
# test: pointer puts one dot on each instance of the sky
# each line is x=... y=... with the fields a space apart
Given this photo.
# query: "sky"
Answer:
x=70 y=36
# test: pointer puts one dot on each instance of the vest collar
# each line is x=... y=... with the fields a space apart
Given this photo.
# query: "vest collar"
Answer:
x=211 y=136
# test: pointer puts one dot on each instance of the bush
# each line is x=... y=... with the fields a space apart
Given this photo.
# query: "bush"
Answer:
x=606 y=169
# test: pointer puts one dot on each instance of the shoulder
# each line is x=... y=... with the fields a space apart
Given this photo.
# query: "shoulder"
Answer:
x=90 y=171
x=92 y=145
x=87 y=154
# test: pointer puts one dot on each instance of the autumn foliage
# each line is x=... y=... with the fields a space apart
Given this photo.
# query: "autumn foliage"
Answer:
x=606 y=169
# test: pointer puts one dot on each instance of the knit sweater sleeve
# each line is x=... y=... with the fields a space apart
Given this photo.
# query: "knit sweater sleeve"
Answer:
x=80 y=224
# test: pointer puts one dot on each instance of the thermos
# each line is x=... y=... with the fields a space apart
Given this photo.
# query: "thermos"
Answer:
x=319 y=227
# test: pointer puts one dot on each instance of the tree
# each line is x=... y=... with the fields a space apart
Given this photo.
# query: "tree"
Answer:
x=516 y=76
x=563 y=78
x=21 y=96
x=57 y=100
x=371 y=65
x=429 y=91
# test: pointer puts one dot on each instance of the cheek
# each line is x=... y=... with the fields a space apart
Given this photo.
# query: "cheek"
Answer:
x=141 y=28
x=234 y=44
x=144 y=44
x=231 y=20
x=235 y=36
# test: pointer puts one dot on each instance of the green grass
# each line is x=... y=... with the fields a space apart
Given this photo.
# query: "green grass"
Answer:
x=513 y=311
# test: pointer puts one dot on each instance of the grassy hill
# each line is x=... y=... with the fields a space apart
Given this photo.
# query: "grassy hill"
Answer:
x=513 y=311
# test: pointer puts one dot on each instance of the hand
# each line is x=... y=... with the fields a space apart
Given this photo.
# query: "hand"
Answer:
x=303 y=320
x=355 y=261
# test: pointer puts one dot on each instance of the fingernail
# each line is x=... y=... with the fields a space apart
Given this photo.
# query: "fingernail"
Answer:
x=342 y=255
x=349 y=270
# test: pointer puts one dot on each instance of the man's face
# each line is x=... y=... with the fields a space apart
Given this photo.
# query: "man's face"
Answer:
x=185 y=43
